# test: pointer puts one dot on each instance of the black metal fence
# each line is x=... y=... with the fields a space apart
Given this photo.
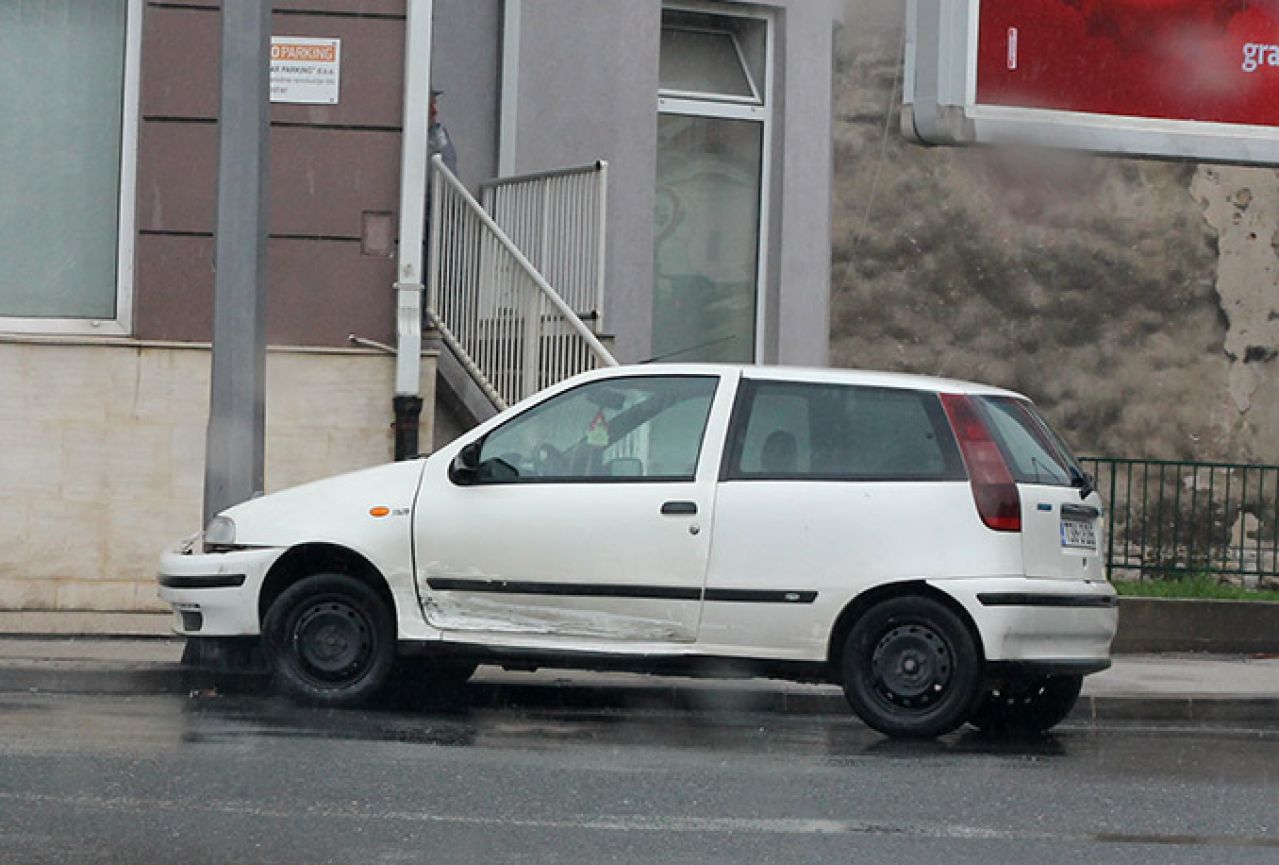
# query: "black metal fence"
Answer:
x=1170 y=518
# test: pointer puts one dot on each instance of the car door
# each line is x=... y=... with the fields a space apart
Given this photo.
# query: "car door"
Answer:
x=827 y=489
x=586 y=515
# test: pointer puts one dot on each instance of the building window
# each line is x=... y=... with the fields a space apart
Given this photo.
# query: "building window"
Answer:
x=66 y=151
x=712 y=141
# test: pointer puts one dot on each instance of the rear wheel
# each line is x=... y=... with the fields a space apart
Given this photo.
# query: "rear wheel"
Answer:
x=911 y=668
x=330 y=640
x=1027 y=705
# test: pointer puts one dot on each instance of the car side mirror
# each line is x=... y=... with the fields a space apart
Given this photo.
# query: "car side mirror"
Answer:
x=466 y=465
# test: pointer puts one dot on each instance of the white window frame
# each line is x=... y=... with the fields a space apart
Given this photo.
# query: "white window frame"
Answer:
x=721 y=107
x=122 y=324
x=754 y=99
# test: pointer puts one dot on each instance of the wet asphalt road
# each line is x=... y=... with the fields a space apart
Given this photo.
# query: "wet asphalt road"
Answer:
x=213 y=779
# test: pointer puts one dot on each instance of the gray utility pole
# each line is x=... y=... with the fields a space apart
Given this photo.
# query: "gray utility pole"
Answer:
x=234 y=460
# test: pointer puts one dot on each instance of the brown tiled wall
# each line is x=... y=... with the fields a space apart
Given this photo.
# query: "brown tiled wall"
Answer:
x=329 y=166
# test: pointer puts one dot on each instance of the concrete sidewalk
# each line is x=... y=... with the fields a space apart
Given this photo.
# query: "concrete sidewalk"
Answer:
x=1219 y=688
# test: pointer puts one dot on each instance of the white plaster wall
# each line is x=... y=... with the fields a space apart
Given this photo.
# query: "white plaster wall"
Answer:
x=588 y=91
x=593 y=95
x=102 y=456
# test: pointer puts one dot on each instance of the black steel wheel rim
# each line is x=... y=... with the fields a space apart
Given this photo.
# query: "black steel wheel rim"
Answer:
x=911 y=667
x=333 y=641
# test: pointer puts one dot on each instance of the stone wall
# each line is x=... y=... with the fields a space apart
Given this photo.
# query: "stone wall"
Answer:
x=1136 y=300
x=102 y=456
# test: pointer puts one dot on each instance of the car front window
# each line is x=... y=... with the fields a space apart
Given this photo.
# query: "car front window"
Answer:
x=646 y=427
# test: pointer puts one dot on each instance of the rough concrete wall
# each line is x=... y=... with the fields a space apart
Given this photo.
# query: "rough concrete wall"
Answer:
x=102 y=456
x=1135 y=300
x=1242 y=206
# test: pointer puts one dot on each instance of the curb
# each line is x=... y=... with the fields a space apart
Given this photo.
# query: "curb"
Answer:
x=81 y=623
x=175 y=679
x=1160 y=625
x=1217 y=710
x=138 y=680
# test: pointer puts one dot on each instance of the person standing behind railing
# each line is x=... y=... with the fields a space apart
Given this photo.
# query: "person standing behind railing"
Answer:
x=438 y=139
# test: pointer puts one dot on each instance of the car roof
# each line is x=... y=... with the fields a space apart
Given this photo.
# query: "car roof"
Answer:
x=821 y=375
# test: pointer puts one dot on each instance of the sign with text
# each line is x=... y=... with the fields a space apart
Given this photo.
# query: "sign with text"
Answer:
x=1182 y=78
x=305 y=70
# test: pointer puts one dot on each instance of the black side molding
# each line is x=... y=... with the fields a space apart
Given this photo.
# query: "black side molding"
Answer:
x=210 y=581
x=760 y=596
x=609 y=590
x=1032 y=599
x=1049 y=667
x=578 y=590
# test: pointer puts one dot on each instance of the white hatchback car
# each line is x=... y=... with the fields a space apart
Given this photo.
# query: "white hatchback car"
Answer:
x=930 y=545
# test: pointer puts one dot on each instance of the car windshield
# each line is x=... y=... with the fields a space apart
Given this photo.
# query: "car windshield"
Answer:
x=1035 y=453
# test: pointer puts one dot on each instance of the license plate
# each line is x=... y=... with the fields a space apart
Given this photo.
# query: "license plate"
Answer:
x=1078 y=534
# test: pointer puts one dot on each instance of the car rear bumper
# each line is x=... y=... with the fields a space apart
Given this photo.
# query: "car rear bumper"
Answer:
x=214 y=594
x=1070 y=623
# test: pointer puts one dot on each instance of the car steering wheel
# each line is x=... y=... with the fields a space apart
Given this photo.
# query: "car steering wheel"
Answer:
x=548 y=461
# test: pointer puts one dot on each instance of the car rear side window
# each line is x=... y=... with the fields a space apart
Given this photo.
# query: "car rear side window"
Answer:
x=790 y=431
x=1034 y=452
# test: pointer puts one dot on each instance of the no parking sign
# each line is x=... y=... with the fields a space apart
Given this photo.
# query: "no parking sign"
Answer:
x=305 y=70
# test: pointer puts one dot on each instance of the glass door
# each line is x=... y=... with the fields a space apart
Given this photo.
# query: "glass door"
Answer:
x=710 y=219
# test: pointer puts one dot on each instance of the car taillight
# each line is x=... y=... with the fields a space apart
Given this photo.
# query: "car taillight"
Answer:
x=994 y=490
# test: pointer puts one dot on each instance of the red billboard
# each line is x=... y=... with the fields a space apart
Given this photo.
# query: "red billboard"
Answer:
x=1186 y=79
x=1193 y=60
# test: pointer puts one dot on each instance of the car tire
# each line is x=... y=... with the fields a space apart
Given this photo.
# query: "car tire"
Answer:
x=911 y=668
x=1027 y=706
x=329 y=640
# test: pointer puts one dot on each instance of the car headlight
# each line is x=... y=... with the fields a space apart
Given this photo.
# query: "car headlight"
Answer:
x=219 y=535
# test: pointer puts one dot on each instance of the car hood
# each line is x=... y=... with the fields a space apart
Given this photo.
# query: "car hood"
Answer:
x=334 y=509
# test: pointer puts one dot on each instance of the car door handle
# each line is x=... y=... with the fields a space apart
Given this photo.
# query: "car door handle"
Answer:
x=679 y=508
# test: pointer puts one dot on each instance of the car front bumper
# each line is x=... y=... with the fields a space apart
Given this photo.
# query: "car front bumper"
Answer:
x=1070 y=623
x=215 y=594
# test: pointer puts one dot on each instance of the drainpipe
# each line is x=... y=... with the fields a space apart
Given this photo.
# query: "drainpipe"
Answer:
x=508 y=122
x=409 y=277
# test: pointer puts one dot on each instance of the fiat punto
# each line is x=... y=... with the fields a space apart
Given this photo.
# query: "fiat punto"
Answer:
x=929 y=545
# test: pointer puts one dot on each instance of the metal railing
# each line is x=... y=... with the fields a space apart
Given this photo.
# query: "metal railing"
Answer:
x=1167 y=518
x=511 y=330
x=558 y=220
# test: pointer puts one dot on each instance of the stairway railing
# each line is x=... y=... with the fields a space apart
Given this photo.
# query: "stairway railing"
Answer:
x=558 y=220
x=510 y=329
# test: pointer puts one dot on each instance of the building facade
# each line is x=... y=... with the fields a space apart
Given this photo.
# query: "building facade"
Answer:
x=714 y=118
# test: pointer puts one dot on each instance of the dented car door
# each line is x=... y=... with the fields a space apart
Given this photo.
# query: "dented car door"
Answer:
x=587 y=515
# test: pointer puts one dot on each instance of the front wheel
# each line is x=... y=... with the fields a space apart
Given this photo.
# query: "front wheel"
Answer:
x=330 y=641
x=911 y=668
x=1031 y=705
